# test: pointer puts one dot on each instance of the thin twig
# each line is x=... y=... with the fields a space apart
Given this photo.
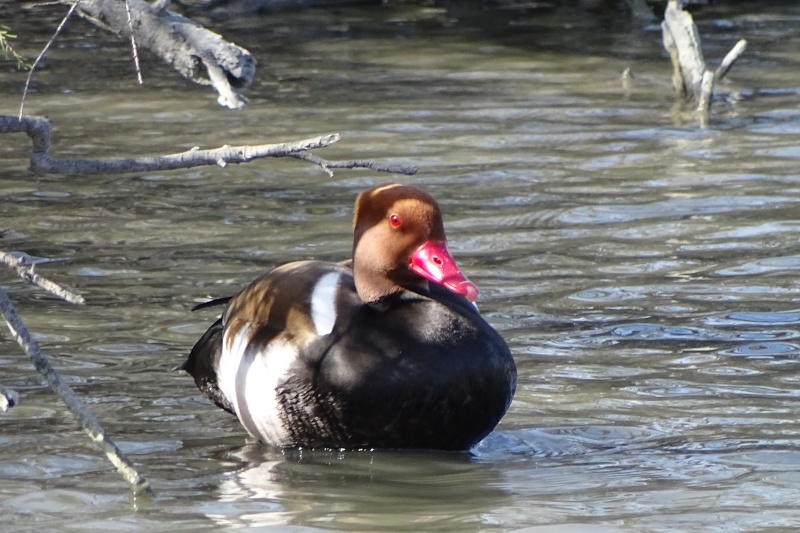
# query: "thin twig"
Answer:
x=73 y=402
x=359 y=163
x=43 y=52
x=315 y=159
x=27 y=273
x=133 y=44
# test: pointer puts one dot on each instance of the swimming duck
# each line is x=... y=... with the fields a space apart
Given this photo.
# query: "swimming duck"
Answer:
x=384 y=351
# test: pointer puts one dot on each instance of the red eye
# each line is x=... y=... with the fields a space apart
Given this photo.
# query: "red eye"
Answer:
x=395 y=220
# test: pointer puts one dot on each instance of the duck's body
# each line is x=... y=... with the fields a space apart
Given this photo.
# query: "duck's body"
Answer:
x=308 y=356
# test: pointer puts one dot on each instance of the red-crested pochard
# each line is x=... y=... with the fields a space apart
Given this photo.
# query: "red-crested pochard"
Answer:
x=388 y=353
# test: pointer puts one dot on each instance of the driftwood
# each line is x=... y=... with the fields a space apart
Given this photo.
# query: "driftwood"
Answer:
x=200 y=55
x=77 y=407
x=691 y=78
x=39 y=129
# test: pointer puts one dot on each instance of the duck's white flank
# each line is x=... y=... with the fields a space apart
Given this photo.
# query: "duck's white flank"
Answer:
x=323 y=303
x=229 y=362
x=269 y=369
x=257 y=405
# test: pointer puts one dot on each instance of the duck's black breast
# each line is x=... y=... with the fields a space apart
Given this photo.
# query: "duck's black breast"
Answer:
x=409 y=371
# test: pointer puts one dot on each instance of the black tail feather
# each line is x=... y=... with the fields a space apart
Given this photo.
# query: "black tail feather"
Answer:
x=202 y=363
x=212 y=303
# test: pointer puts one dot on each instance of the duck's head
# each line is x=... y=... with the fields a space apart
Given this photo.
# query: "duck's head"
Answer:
x=399 y=243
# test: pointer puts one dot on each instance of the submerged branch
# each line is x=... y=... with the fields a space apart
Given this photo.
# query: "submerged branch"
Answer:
x=73 y=402
x=682 y=42
x=691 y=77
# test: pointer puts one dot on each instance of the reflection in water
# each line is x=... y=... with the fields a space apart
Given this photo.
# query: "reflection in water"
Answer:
x=353 y=490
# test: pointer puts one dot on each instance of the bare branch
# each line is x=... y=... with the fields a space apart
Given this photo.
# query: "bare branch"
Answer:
x=730 y=59
x=39 y=129
x=311 y=158
x=27 y=273
x=360 y=163
x=134 y=48
x=73 y=402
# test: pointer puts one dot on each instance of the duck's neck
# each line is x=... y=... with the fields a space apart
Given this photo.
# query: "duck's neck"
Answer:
x=372 y=285
x=376 y=279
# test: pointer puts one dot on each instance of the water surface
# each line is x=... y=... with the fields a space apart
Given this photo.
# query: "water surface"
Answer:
x=643 y=271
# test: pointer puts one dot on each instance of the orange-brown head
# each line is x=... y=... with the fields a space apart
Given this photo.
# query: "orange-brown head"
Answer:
x=399 y=242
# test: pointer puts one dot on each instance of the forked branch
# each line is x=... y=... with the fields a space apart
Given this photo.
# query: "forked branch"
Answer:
x=691 y=77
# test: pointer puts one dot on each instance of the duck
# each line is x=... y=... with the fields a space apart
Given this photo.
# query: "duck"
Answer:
x=384 y=351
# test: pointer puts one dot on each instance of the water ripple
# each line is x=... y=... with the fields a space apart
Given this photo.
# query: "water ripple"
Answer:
x=670 y=209
x=756 y=317
x=763 y=266
x=559 y=441
x=768 y=340
x=670 y=388
x=608 y=294
x=765 y=350
x=694 y=291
